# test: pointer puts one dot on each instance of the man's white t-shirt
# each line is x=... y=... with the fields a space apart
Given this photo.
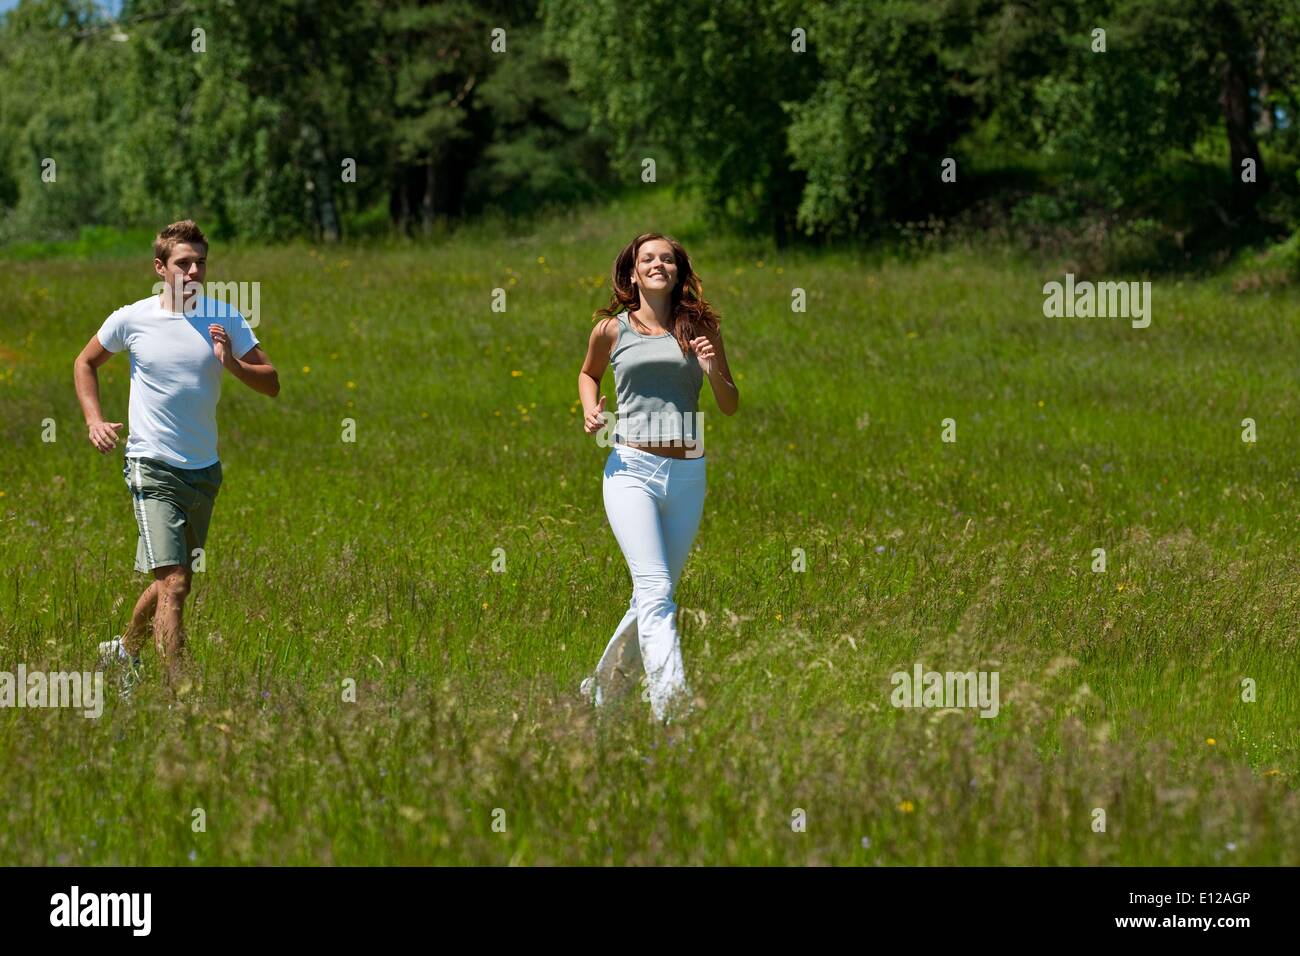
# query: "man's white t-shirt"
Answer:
x=175 y=376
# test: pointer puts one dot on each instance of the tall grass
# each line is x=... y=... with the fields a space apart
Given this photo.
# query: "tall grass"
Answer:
x=372 y=561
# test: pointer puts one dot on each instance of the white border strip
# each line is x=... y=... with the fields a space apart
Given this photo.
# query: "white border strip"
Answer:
x=140 y=514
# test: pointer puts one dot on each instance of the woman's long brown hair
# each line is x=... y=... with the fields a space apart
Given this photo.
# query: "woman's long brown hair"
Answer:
x=690 y=315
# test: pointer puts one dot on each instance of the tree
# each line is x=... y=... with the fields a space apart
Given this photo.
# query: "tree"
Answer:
x=872 y=135
x=699 y=86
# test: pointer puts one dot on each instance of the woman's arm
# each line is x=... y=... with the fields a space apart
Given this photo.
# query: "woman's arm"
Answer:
x=601 y=343
x=713 y=359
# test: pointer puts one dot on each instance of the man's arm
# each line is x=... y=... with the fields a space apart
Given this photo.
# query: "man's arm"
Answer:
x=254 y=369
x=102 y=434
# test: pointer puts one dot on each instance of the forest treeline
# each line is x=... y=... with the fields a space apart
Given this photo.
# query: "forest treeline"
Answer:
x=321 y=118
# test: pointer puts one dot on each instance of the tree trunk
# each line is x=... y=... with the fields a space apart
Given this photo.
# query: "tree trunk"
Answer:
x=397 y=203
x=329 y=218
x=326 y=211
x=1238 y=115
x=427 y=205
x=1267 y=121
x=404 y=197
x=779 y=228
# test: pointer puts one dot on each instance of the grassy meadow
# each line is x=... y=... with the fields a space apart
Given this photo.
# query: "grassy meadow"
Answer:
x=372 y=560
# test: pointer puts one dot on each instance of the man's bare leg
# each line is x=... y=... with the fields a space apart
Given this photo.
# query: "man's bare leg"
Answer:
x=173 y=582
x=133 y=637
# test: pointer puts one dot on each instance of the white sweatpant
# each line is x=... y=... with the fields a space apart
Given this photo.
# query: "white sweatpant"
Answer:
x=654 y=506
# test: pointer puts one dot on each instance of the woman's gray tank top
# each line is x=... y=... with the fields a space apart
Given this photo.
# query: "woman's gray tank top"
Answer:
x=658 y=388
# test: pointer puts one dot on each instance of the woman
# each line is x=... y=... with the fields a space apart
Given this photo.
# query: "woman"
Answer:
x=663 y=339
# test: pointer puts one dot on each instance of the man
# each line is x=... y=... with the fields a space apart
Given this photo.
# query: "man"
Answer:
x=178 y=341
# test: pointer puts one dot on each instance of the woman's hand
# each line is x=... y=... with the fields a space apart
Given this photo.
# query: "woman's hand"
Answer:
x=704 y=352
x=595 y=419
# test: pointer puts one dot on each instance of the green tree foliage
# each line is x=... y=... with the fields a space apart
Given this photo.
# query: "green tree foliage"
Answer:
x=541 y=149
x=56 y=103
x=256 y=128
x=873 y=133
x=1111 y=116
x=839 y=137
x=250 y=134
x=1173 y=72
x=699 y=86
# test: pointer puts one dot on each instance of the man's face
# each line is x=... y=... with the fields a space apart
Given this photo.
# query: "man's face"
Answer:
x=656 y=268
x=188 y=263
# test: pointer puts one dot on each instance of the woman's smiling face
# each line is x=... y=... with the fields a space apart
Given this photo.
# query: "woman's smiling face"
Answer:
x=656 y=266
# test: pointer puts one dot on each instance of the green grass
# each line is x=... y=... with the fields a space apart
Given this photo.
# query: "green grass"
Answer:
x=92 y=242
x=372 y=561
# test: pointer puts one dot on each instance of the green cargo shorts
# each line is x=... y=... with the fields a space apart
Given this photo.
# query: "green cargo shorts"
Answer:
x=172 y=509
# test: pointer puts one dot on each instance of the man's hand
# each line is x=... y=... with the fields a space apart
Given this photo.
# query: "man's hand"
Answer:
x=103 y=435
x=221 y=345
x=253 y=368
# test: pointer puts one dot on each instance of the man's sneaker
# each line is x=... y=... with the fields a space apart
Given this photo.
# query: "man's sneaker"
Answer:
x=132 y=674
x=112 y=652
x=588 y=689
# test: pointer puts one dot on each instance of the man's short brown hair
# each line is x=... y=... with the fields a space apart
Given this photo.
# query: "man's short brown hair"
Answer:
x=184 y=231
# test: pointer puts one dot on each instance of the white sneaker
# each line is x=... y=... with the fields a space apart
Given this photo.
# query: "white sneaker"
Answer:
x=588 y=689
x=112 y=652
x=131 y=676
x=679 y=708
